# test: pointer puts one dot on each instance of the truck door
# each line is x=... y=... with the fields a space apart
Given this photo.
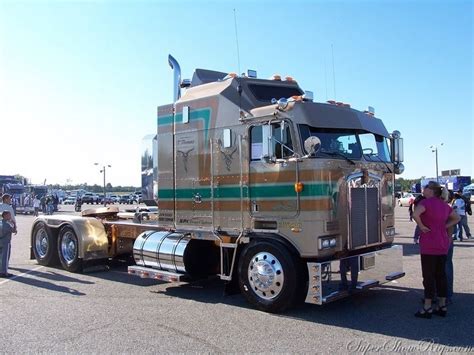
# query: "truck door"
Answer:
x=272 y=176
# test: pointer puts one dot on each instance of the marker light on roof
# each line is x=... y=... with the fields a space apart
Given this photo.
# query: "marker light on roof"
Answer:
x=289 y=78
x=185 y=83
x=251 y=73
x=276 y=77
x=308 y=96
x=370 y=111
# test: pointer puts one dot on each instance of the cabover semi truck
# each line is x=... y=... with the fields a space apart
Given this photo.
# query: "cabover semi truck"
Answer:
x=285 y=199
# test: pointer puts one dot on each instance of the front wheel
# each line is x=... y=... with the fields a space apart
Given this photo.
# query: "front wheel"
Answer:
x=44 y=245
x=68 y=250
x=270 y=277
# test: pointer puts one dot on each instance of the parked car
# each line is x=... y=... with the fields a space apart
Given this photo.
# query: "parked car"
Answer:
x=114 y=199
x=138 y=197
x=108 y=200
x=90 y=198
x=126 y=199
x=407 y=199
x=69 y=201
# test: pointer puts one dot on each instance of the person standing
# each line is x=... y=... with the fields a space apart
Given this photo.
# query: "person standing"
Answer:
x=5 y=242
x=26 y=201
x=434 y=216
x=43 y=203
x=459 y=205
x=6 y=205
x=36 y=205
x=411 y=206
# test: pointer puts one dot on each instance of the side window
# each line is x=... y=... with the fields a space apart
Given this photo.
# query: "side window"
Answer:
x=256 y=143
x=281 y=145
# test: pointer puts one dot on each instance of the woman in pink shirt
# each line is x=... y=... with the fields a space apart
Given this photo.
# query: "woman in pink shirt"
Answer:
x=434 y=216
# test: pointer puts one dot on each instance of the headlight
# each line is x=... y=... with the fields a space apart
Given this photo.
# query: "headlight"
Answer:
x=327 y=243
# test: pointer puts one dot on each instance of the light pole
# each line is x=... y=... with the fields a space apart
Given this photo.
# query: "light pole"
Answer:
x=434 y=149
x=103 y=171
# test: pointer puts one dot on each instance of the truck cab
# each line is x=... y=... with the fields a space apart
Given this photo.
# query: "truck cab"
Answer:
x=284 y=198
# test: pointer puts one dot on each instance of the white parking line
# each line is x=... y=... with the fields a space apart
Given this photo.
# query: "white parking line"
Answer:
x=20 y=275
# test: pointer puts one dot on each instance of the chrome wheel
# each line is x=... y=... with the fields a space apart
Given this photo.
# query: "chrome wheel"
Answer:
x=69 y=247
x=265 y=275
x=41 y=242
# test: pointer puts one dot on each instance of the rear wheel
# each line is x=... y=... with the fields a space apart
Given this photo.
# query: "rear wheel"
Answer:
x=68 y=250
x=44 y=245
x=270 y=277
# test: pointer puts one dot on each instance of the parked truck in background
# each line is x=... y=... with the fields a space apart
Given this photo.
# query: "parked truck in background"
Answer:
x=15 y=187
x=453 y=183
x=284 y=198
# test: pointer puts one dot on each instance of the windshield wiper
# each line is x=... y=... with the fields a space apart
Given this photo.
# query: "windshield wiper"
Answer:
x=336 y=153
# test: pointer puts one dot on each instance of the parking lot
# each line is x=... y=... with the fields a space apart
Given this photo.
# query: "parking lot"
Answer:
x=49 y=310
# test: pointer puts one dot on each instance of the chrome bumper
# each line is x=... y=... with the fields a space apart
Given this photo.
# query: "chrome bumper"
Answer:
x=332 y=280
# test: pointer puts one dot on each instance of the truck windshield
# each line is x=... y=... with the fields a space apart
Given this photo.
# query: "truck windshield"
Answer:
x=374 y=147
x=336 y=142
x=348 y=143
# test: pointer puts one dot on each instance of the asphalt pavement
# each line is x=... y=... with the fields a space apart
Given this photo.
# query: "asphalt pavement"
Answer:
x=46 y=309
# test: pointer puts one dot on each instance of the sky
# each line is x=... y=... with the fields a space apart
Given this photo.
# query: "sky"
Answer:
x=80 y=81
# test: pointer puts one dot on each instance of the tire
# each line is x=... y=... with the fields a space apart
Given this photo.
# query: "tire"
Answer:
x=279 y=281
x=44 y=245
x=68 y=250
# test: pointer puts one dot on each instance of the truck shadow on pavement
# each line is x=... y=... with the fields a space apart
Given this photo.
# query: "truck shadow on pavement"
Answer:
x=48 y=280
x=387 y=311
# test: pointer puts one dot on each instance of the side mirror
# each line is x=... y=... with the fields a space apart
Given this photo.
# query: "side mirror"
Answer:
x=397 y=147
x=397 y=152
x=312 y=145
x=399 y=169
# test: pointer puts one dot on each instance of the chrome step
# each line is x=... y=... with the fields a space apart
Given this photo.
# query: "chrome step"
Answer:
x=162 y=275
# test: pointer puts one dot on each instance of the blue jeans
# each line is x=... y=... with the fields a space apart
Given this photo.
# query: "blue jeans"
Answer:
x=463 y=224
x=450 y=271
x=4 y=257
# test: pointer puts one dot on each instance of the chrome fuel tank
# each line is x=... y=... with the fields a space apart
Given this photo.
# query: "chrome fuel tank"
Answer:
x=161 y=250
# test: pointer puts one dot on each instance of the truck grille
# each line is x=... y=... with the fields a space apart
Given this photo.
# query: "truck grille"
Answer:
x=364 y=220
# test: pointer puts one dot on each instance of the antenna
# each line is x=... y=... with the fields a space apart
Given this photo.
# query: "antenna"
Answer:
x=237 y=43
x=326 y=78
x=333 y=72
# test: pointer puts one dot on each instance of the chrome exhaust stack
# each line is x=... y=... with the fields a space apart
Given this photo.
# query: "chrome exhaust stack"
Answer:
x=177 y=77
